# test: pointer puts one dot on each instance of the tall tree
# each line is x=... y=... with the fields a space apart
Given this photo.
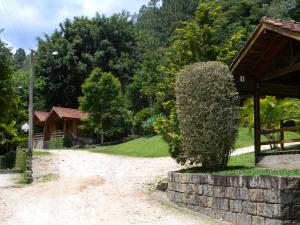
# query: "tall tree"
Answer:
x=83 y=44
x=103 y=99
x=20 y=58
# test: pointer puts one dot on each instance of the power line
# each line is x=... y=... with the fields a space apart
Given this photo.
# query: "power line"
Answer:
x=13 y=20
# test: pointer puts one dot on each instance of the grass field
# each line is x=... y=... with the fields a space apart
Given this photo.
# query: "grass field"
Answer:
x=148 y=147
x=40 y=153
x=244 y=165
x=245 y=137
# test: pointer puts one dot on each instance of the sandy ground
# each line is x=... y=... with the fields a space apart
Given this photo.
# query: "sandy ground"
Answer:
x=94 y=189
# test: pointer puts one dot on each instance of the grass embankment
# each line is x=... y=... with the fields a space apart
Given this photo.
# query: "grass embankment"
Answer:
x=148 y=147
x=244 y=165
x=151 y=147
x=40 y=153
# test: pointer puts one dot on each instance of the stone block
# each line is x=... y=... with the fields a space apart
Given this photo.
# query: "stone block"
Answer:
x=296 y=197
x=191 y=189
x=200 y=189
x=256 y=195
x=236 y=181
x=226 y=216
x=249 y=207
x=184 y=178
x=242 y=193
x=277 y=222
x=230 y=192
x=208 y=190
x=243 y=219
x=277 y=196
x=219 y=191
x=206 y=211
x=295 y=212
x=235 y=205
x=171 y=186
x=182 y=187
x=275 y=211
x=171 y=196
x=210 y=179
x=220 y=203
x=193 y=200
x=267 y=182
x=205 y=201
x=178 y=197
x=221 y=180
x=177 y=177
x=293 y=183
x=170 y=176
x=257 y=220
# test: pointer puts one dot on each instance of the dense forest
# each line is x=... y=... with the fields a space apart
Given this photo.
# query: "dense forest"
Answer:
x=122 y=68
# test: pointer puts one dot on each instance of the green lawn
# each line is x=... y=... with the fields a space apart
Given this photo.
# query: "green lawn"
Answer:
x=245 y=138
x=244 y=165
x=40 y=153
x=148 y=147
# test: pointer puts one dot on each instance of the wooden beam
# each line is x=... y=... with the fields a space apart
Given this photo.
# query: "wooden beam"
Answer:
x=279 y=90
x=276 y=48
x=281 y=72
x=282 y=31
x=257 y=123
x=248 y=46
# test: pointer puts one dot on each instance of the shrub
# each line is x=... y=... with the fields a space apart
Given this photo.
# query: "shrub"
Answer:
x=139 y=119
x=207 y=108
x=56 y=143
x=21 y=156
x=148 y=125
x=67 y=142
x=8 y=160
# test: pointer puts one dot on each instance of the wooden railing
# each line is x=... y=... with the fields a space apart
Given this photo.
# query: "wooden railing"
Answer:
x=38 y=136
x=281 y=137
x=57 y=134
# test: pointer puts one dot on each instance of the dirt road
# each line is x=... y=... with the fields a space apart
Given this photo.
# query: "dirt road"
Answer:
x=93 y=189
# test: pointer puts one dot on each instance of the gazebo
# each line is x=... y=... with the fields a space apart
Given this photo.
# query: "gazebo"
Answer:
x=269 y=64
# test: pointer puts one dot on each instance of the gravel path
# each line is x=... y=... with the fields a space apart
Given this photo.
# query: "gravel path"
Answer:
x=94 y=189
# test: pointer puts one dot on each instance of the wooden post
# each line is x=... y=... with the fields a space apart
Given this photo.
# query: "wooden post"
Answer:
x=281 y=135
x=257 y=123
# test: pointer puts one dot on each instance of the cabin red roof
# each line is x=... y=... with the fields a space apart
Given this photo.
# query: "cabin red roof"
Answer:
x=69 y=113
x=288 y=25
x=41 y=116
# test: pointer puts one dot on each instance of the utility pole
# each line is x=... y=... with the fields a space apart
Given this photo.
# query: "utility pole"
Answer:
x=30 y=136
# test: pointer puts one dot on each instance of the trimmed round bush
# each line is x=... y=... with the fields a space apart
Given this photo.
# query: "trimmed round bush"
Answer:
x=207 y=107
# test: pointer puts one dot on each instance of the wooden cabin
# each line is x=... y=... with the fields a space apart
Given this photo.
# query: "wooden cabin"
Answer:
x=59 y=122
x=269 y=64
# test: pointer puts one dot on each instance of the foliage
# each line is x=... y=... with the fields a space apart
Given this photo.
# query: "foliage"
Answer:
x=103 y=99
x=139 y=118
x=194 y=41
x=7 y=161
x=20 y=58
x=148 y=125
x=207 y=108
x=83 y=44
x=272 y=111
x=149 y=147
x=21 y=156
x=56 y=143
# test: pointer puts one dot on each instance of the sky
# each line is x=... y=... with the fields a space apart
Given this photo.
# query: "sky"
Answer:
x=24 y=20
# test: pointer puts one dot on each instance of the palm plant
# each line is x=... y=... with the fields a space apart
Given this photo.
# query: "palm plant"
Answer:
x=272 y=112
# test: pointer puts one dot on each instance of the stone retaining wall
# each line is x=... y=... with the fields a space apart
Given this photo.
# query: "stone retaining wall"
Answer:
x=242 y=200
